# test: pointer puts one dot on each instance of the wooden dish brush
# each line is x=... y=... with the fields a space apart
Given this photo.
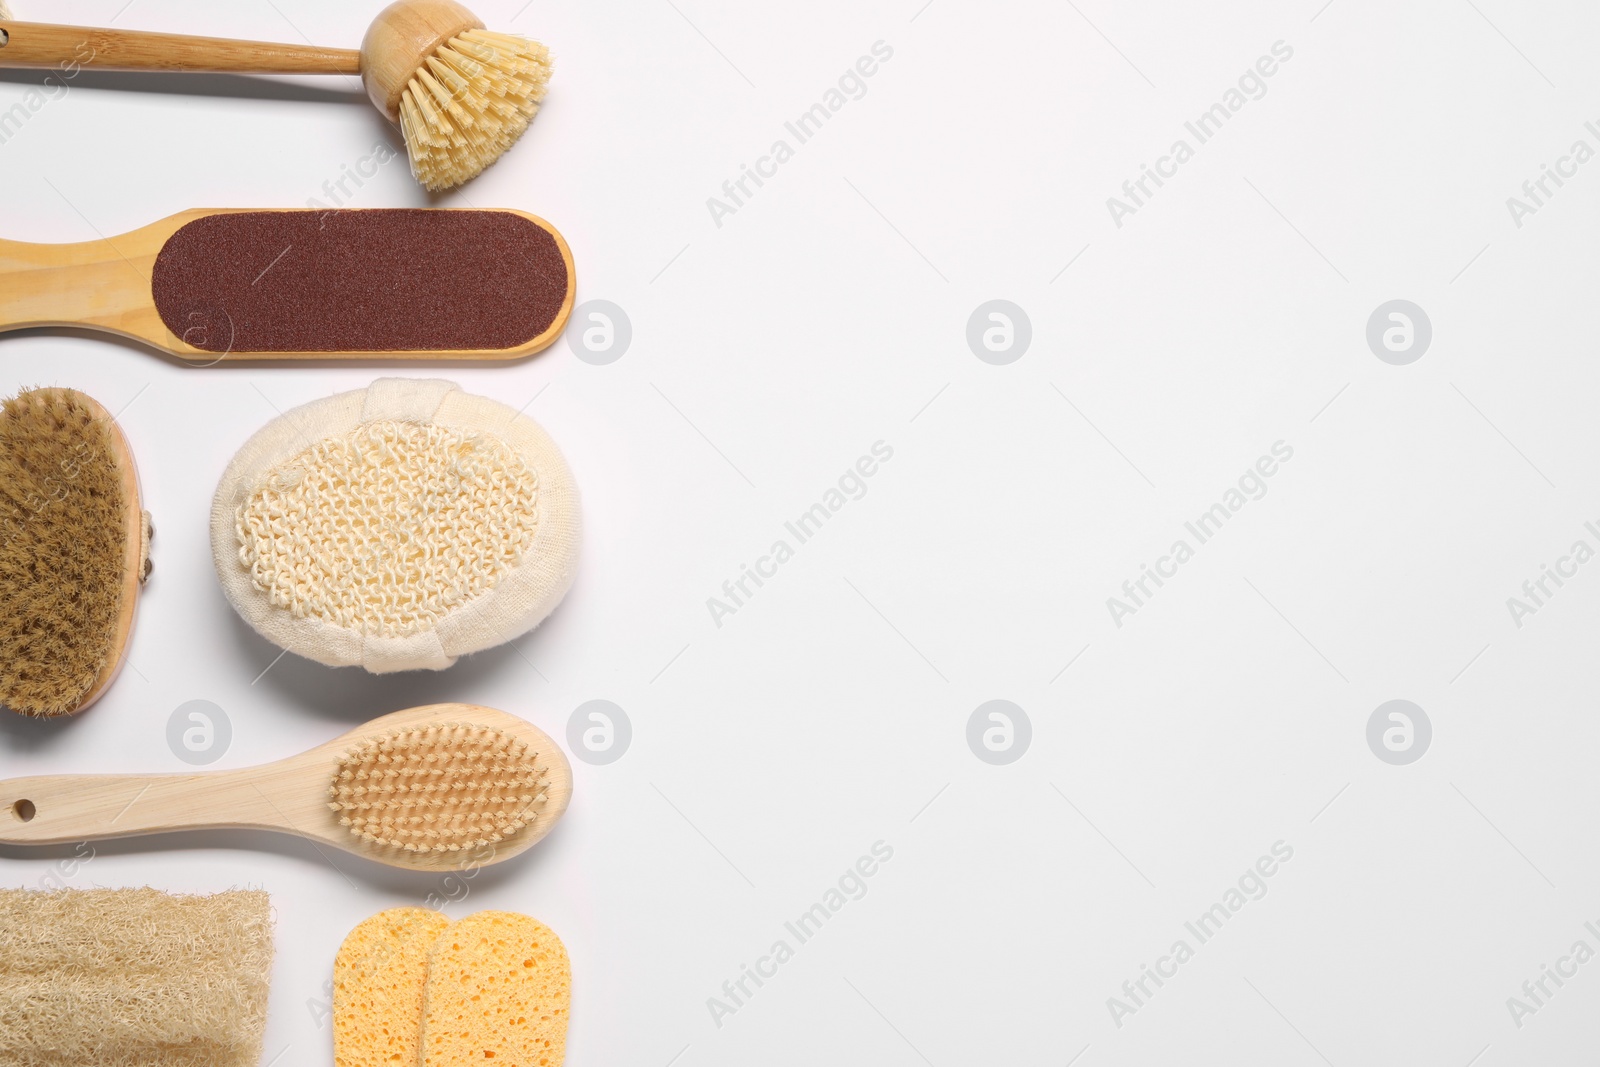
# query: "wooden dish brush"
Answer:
x=460 y=93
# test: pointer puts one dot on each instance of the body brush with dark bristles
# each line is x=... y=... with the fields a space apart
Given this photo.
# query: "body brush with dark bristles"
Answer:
x=73 y=551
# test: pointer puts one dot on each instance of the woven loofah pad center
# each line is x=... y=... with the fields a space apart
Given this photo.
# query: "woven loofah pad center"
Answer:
x=388 y=528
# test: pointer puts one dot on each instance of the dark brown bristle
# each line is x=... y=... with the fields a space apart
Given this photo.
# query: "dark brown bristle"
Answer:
x=62 y=541
x=447 y=787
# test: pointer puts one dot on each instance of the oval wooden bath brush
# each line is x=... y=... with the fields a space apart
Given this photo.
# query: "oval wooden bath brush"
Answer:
x=442 y=787
x=389 y=283
x=74 y=551
x=461 y=94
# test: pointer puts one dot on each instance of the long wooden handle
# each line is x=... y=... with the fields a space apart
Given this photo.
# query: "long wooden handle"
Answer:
x=60 y=809
x=38 y=44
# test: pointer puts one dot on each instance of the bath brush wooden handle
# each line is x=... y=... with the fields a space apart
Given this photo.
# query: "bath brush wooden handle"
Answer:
x=38 y=44
x=290 y=796
x=60 y=809
x=209 y=285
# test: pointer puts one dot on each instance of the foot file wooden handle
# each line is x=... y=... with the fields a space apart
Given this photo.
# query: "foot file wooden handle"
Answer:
x=236 y=284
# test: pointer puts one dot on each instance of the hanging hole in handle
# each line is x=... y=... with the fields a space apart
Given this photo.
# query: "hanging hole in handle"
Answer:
x=5 y=38
x=24 y=810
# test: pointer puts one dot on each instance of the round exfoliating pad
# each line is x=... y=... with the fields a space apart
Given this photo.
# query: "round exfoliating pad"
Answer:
x=396 y=527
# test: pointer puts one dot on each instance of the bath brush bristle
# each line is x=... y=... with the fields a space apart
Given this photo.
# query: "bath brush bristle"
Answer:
x=68 y=508
x=438 y=788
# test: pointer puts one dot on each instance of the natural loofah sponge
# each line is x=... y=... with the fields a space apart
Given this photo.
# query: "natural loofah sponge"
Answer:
x=396 y=528
x=378 y=980
x=499 y=989
x=71 y=540
x=133 y=978
x=386 y=528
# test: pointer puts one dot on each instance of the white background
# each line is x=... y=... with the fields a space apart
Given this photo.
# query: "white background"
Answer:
x=828 y=313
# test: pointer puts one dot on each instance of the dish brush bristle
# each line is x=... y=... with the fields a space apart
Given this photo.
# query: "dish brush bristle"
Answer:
x=469 y=102
x=62 y=540
x=445 y=787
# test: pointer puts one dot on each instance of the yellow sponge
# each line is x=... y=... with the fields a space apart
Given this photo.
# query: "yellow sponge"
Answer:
x=499 y=986
x=378 y=979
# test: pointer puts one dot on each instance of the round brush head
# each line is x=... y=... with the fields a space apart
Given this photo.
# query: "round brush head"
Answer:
x=438 y=788
x=397 y=527
x=461 y=94
x=72 y=550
